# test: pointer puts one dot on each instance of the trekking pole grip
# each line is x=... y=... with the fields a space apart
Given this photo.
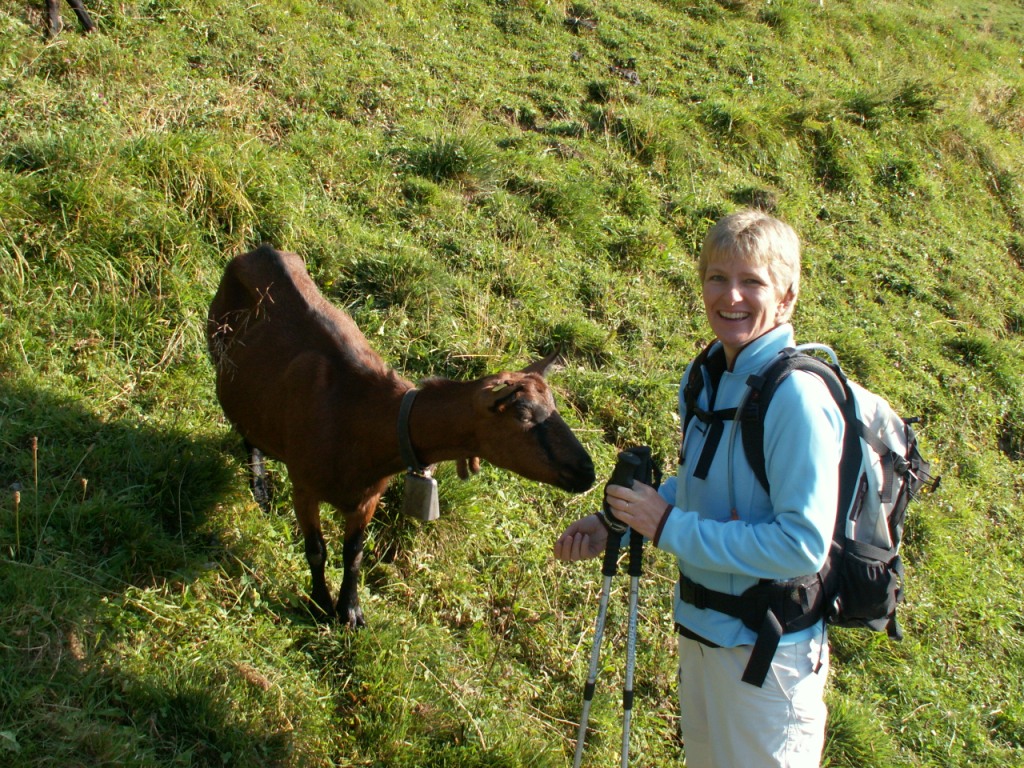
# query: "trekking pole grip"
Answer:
x=625 y=470
x=636 y=553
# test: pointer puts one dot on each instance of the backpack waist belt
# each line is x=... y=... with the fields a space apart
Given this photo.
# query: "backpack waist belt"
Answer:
x=770 y=608
x=689 y=634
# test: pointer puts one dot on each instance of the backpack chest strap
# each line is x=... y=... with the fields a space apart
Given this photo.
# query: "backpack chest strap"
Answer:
x=715 y=421
x=706 y=372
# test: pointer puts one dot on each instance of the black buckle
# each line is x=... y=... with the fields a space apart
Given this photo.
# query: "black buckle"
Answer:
x=707 y=417
x=693 y=593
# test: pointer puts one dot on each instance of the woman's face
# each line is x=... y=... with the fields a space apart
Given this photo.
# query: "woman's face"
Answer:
x=741 y=302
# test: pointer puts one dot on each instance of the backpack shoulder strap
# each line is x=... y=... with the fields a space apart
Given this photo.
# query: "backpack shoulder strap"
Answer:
x=763 y=386
x=714 y=361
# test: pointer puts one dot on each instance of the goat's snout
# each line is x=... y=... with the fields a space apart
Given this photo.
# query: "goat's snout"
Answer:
x=576 y=469
x=578 y=478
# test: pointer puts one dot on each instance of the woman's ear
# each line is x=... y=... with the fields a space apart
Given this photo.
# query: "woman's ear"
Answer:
x=785 y=308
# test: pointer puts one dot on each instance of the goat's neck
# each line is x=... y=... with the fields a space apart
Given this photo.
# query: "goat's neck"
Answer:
x=441 y=423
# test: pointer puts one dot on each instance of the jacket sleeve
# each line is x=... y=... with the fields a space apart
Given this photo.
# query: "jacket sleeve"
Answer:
x=803 y=443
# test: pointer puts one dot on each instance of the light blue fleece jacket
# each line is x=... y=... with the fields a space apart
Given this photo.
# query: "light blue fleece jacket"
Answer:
x=779 y=537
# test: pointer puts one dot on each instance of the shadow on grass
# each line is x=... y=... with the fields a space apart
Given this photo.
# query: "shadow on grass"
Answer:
x=123 y=499
x=104 y=509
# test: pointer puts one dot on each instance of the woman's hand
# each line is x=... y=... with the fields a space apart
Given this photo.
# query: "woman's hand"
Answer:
x=582 y=540
x=640 y=507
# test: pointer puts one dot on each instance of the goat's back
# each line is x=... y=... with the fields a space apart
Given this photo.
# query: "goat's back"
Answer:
x=268 y=294
x=290 y=366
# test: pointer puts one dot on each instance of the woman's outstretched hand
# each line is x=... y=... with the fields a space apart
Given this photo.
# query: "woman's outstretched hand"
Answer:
x=582 y=540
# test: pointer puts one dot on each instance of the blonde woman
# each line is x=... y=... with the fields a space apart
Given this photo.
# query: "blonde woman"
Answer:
x=728 y=540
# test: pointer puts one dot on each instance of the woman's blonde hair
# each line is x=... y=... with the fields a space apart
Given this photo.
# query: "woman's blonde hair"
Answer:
x=760 y=240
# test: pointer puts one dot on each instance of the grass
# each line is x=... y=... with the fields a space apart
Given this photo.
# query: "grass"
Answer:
x=477 y=182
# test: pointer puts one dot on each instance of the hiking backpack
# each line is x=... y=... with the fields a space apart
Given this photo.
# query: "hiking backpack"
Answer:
x=881 y=471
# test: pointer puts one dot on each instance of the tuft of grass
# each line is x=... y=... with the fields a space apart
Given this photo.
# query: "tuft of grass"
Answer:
x=783 y=16
x=469 y=159
x=834 y=167
x=865 y=744
x=651 y=139
x=913 y=100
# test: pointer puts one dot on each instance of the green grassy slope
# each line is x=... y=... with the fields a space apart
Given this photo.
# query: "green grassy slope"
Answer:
x=476 y=182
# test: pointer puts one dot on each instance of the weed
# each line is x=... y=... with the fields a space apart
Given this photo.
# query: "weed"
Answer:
x=781 y=15
x=468 y=159
x=648 y=138
x=897 y=174
x=833 y=166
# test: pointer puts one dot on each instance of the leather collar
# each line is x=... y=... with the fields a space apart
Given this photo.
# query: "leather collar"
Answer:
x=404 y=441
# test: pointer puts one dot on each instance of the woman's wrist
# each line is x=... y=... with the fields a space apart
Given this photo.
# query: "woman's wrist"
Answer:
x=661 y=523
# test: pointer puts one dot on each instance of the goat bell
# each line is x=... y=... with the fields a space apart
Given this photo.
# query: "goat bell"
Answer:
x=420 y=499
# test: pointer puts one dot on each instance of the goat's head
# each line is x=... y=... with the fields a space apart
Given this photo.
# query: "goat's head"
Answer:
x=520 y=429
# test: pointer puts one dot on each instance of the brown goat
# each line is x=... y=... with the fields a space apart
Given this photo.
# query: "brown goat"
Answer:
x=299 y=381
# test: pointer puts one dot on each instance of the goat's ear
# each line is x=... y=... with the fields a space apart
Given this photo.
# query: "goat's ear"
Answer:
x=501 y=394
x=552 y=362
x=467 y=467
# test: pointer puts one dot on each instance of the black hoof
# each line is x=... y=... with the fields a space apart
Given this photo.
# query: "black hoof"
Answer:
x=351 y=617
x=318 y=612
x=259 y=480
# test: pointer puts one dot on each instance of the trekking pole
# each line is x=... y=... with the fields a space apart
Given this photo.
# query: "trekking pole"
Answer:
x=636 y=549
x=625 y=469
x=645 y=473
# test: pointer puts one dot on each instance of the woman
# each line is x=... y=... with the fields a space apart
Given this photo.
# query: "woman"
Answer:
x=749 y=268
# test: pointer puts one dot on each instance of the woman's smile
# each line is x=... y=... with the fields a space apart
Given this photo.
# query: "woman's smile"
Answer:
x=741 y=302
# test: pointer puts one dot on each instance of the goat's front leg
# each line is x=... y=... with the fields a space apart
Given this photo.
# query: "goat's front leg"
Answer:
x=348 y=609
x=307 y=510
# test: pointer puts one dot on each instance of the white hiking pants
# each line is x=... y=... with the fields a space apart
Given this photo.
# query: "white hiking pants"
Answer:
x=727 y=723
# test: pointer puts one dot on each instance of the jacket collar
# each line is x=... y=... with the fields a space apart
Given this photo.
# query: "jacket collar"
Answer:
x=758 y=353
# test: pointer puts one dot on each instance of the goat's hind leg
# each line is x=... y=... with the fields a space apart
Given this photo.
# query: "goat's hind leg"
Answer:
x=53 y=11
x=83 y=15
x=307 y=510
x=259 y=480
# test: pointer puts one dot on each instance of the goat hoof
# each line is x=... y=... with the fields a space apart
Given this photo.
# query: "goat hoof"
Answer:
x=352 y=617
x=261 y=495
x=318 y=612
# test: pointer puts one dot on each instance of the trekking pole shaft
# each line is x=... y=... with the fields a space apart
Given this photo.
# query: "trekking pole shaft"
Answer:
x=636 y=544
x=626 y=467
x=627 y=688
x=595 y=654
